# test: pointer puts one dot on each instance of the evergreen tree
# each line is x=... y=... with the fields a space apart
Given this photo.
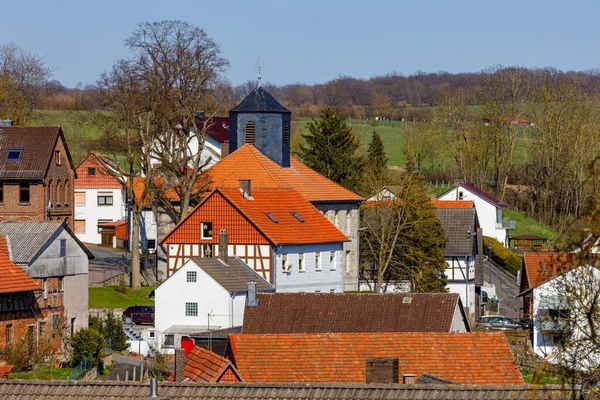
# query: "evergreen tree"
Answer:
x=376 y=158
x=113 y=329
x=330 y=148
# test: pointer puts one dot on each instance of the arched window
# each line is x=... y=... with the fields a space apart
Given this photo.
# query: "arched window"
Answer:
x=250 y=131
x=50 y=192
x=59 y=193
x=286 y=134
x=67 y=197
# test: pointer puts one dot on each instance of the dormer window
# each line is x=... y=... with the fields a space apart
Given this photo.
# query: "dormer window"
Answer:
x=250 y=131
x=57 y=157
x=206 y=228
x=14 y=154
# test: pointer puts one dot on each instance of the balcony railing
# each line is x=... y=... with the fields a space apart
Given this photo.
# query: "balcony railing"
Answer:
x=506 y=224
x=554 y=325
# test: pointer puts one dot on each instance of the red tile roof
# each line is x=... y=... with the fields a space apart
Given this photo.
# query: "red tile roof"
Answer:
x=539 y=267
x=4 y=370
x=12 y=278
x=467 y=358
x=453 y=203
x=202 y=365
x=280 y=203
x=101 y=180
x=38 y=144
x=248 y=163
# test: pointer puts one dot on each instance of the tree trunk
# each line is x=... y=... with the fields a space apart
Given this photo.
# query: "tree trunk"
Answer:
x=135 y=251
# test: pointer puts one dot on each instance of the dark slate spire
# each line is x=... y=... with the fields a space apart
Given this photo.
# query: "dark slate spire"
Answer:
x=259 y=101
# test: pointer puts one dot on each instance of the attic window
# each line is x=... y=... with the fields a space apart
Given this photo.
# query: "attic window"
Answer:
x=91 y=171
x=206 y=230
x=57 y=159
x=14 y=154
x=250 y=129
x=271 y=217
x=299 y=218
x=406 y=300
x=461 y=195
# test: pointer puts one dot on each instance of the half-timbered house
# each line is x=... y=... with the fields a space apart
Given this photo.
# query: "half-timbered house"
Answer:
x=277 y=232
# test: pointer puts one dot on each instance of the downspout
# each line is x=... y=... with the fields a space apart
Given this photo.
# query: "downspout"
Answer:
x=467 y=281
x=231 y=298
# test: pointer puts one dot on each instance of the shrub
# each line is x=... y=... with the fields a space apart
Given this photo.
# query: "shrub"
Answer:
x=504 y=257
x=87 y=342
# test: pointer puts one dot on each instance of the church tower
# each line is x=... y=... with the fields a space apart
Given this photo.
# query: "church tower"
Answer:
x=261 y=121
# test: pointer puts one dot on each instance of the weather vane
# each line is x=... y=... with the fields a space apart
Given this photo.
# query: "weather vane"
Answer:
x=259 y=66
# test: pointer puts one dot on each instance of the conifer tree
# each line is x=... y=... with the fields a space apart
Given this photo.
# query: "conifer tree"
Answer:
x=331 y=149
x=376 y=158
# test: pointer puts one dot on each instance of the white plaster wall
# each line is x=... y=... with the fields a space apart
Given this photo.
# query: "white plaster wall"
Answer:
x=92 y=212
x=489 y=215
x=458 y=323
x=171 y=296
x=464 y=291
x=148 y=229
x=457 y=285
x=325 y=280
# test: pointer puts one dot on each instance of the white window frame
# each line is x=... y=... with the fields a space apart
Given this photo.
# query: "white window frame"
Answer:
x=318 y=265
x=191 y=309
x=191 y=277
x=333 y=260
x=301 y=265
x=202 y=230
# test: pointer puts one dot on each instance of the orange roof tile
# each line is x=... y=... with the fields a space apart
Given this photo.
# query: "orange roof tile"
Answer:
x=280 y=203
x=202 y=365
x=4 y=370
x=12 y=278
x=248 y=163
x=466 y=358
x=100 y=180
x=453 y=203
x=541 y=266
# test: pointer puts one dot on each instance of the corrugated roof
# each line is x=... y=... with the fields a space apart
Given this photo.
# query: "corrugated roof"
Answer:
x=27 y=238
x=259 y=101
x=457 y=222
x=85 y=390
x=13 y=279
x=480 y=358
x=233 y=276
x=37 y=144
x=249 y=163
x=202 y=365
x=350 y=312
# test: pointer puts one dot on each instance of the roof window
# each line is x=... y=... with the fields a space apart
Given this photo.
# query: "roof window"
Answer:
x=14 y=154
x=299 y=218
x=271 y=217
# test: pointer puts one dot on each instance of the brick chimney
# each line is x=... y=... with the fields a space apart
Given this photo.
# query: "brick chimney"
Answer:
x=179 y=365
x=224 y=246
x=245 y=186
x=224 y=149
x=409 y=379
x=382 y=370
x=251 y=300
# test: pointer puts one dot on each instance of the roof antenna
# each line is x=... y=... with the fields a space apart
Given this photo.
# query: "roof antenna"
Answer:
x=259 y=66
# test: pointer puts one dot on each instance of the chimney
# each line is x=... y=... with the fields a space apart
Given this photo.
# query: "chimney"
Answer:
x=382 y=370
x=179 y=365
x=251 y=299
x=6 y=122
x=479 y=257
x=409 y=379
x=245 y=185
x=153 y=388
x=224 y=246
x=224 y=149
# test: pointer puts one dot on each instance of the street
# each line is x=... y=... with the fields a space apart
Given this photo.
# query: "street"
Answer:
x=108 y=262
x=507 y=289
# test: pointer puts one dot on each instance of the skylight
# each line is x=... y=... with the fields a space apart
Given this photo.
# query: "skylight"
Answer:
x=299 y=218
x=271 y=217
x=14 y=154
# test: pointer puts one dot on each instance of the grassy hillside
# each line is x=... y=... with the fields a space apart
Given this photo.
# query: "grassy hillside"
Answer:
x=525 y=225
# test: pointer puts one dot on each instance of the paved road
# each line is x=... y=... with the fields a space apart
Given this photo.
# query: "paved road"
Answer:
x=121 y=364
x=507 y=289
x=108 y=262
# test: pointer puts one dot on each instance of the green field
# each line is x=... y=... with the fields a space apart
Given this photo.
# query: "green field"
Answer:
x=525 y=225
x=109 y=297
x=43 y=372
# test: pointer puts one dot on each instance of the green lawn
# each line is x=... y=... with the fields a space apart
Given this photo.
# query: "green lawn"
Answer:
x=44 y=372
x=108 y=297
x=547 y=379
x=525 y=225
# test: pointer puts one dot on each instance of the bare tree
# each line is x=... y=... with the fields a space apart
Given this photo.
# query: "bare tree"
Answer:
x=28 y=70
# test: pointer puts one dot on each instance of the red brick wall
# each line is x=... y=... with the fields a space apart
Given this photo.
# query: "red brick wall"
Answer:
x=229 y=376
x=12 y=210
x=63 y=195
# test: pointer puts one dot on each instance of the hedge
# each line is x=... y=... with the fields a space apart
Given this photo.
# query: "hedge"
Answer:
x=502 y=256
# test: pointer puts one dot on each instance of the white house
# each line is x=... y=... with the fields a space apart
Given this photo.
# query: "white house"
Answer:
x=99 y=198
x=463 y=251
x=489 y=210
x=204 y=294
x=277 y=232
x=559 y=295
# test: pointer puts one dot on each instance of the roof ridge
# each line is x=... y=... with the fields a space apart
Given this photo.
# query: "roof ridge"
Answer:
x=254 y=150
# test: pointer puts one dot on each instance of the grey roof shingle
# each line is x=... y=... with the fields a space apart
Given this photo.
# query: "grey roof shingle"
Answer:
x=457 y=222
x=233 y=276
x=259 y=100
x=81 y=390
x=350 y=312
x=25 y=239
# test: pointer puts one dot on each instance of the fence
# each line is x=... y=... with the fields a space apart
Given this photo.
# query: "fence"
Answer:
x=84 y=366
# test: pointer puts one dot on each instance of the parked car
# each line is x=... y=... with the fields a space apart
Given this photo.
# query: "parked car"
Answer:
x=526 y=323
x=141 y=315
x=498 y=322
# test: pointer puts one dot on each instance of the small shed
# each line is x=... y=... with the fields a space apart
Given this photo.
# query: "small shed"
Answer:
x=528 y=242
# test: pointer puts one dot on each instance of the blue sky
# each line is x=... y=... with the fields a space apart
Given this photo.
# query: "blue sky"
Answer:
x=315 y=41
